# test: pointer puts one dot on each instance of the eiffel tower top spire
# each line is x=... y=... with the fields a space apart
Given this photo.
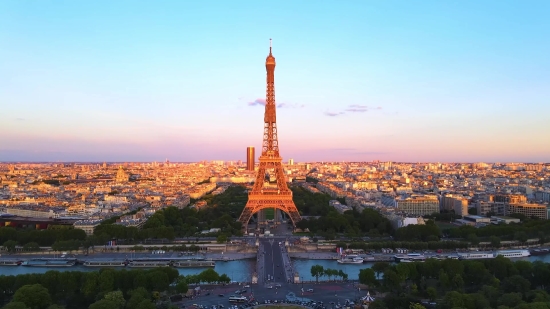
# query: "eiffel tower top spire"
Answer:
x=270 y=146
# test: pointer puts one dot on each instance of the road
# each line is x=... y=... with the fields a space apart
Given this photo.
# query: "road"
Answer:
x=273 y=266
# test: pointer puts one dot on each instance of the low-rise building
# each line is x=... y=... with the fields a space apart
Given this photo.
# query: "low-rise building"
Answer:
x=87 y=225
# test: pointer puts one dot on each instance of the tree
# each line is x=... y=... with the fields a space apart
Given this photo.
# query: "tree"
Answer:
x=157 y=280
x=9 y=245
x=224 y=278
x=316 y=271
x=182 y=287
x=473 y=239
x=106 y=280
x=458 y=282
x=104 y=304
x=391 y=279
x=15 y=305
x=432 y=293
x=34 y=296
x=116 y=297
x=209 y=275
x=31 y=246
x=146 y=304
x=454 y=299
x=416 y=306
x=495 y=242
x=54 y=306
x=136 y=297
x=367 y=276
x=380 y=267
x=510 y=299
x=222 y=238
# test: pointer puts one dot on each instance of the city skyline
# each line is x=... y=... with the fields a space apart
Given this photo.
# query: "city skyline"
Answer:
x=439 y=82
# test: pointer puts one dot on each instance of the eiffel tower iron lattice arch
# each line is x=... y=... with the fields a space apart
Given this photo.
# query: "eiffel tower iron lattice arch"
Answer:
x=264 y=194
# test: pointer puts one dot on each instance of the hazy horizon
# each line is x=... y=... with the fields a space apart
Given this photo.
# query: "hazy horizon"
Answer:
x=355 y=81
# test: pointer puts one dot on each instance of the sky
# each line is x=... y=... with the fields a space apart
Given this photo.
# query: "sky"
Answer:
x=414 y=81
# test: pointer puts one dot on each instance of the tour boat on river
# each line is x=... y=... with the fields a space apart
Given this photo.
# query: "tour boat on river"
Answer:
x=148 y=264
x=191 y=264
x=407 y=258
x=49 y=262
x=10 y=262
x=96 y=263
x=351 y=259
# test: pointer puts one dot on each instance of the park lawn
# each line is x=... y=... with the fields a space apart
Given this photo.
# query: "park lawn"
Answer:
x=445 y=225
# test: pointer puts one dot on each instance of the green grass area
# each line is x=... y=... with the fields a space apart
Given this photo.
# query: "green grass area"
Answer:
x=269 y=213
x=445 y=225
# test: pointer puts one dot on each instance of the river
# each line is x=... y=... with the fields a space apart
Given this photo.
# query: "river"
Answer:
x=238 y=270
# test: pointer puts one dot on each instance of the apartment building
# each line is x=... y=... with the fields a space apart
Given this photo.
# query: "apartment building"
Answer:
x=418 y=205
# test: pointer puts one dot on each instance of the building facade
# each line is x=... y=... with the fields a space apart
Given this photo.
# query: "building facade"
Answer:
x=250 y=158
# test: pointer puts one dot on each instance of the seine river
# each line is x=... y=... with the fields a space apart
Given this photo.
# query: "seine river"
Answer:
x=238 y=270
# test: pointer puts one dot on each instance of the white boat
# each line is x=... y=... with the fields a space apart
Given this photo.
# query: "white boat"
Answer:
x=148 y=264
x=192 y=264
x=104 y=264
x=49 y=263
x=513 y=253
x=10 y=263
x=476 y=255
x=350 y=259
x=411 y=257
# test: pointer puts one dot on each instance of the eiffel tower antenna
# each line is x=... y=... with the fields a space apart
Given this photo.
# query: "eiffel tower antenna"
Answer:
x=265 y=194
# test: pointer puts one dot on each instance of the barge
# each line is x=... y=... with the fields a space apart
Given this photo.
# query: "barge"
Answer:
x=148 y=264
x=191 y=264
x=49 y=263
x=104 y=263
x=10 y=262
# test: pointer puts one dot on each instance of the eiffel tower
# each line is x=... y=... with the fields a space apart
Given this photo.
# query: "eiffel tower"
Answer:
x=266 y=194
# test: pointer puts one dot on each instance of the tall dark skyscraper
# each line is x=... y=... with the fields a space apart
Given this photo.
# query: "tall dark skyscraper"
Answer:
x=250 y=158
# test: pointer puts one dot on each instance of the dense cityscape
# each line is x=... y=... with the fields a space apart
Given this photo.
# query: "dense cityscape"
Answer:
x=92 y=192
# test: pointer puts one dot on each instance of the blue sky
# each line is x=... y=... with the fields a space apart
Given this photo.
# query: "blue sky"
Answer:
x=359 y=80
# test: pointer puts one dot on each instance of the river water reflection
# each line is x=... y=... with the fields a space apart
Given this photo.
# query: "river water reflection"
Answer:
x=237 y=270
x=303 y=266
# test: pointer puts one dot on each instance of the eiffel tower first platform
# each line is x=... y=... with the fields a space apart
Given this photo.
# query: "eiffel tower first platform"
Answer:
x=265 y=193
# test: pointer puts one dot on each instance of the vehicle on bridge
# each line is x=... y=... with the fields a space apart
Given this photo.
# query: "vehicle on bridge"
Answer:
x=237 y=299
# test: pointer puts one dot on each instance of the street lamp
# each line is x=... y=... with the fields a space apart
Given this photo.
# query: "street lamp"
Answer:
x=302 y=279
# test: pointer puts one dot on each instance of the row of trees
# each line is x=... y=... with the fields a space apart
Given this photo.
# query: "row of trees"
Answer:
x=530 y=229
x=98 y=289
x=411 y=245
x=467 y=284
x=319 y=271
x=40 y=237
x=352 y=223
x=310 y=204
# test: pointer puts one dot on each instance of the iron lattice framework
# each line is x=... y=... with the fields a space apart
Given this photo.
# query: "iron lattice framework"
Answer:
x=263 y=194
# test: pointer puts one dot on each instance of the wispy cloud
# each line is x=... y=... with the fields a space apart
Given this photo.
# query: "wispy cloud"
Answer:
x=290 y=105
x=333 y=114
x=257 y=102
x=355 y=108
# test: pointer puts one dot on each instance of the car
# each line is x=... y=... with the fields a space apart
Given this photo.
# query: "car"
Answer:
x=220 y=295
x=269 y=286
x=247 y=286
x=310 y=290
x=277 y=285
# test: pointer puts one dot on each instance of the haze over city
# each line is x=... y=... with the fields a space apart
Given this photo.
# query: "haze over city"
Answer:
x=355 y=81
